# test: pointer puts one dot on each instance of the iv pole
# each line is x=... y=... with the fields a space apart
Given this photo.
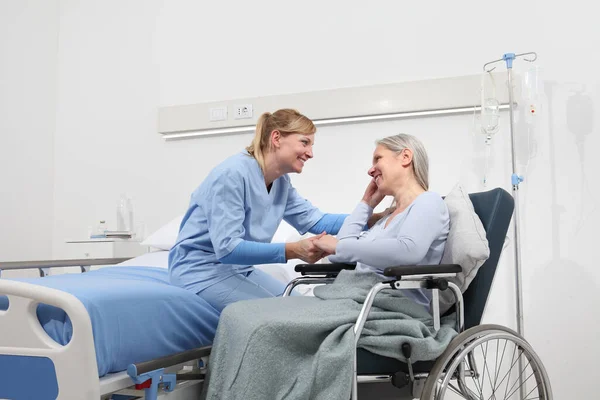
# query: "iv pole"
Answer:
x=508 y=58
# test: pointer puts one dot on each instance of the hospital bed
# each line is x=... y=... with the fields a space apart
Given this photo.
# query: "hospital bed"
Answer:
x=116 y=330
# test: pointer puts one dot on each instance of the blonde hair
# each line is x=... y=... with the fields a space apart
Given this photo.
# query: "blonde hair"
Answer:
x=420 y=161
x=287 y=121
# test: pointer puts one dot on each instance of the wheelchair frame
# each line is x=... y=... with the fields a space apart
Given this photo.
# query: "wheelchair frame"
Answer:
x=412 y=277
x=407 y=277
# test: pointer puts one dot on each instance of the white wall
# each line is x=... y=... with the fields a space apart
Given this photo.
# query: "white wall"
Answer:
x=28 y=57
x=120 y=60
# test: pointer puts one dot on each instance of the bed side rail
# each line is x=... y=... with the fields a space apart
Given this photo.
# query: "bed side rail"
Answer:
x=72 y=367
x=45 y=265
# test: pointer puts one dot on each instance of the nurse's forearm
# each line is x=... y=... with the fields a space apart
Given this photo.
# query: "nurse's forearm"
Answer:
x=251 y=253
x=329 y=223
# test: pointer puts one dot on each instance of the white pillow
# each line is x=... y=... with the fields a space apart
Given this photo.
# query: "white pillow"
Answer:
x=466 y=245
x=166 y=236
x=153 y=259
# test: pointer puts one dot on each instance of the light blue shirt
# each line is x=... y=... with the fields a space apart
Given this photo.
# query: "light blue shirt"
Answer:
x=232 y=207
x=416 y=236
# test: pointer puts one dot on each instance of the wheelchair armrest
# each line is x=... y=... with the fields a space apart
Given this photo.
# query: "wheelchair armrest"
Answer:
x=320 y=269
x=407 y=270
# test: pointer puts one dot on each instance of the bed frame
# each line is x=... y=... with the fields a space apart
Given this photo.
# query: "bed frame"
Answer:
x=24 y=341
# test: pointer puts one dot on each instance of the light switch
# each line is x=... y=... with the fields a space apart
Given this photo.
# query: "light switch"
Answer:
x=217 y=114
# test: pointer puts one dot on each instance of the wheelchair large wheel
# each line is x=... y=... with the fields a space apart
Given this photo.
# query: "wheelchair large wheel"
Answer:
x=488 y=362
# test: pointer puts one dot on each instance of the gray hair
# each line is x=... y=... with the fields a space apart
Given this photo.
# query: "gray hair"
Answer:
x=420 y=161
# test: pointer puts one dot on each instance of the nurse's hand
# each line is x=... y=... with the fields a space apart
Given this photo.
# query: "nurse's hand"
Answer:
x=305 y=250
x=327 y=243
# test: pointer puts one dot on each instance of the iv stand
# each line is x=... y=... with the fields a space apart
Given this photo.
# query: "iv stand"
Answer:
x=508 y=58
x=515 y=179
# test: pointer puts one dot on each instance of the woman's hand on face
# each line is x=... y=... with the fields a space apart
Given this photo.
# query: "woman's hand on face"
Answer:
x=326 y=243
x=306 y=250
x=372 y=195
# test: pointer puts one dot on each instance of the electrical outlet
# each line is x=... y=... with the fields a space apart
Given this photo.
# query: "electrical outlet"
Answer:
x=242 y=111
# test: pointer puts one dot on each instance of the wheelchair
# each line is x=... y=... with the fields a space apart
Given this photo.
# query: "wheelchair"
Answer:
x=484 y=362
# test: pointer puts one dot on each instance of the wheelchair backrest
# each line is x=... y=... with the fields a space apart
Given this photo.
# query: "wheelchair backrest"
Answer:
x=495 y=209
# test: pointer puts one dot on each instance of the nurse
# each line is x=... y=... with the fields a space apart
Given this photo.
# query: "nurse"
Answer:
x=235 y=212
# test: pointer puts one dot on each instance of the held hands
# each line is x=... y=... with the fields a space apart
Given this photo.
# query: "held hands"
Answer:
x=306 y=250
x=372 y=195
x=326 y=243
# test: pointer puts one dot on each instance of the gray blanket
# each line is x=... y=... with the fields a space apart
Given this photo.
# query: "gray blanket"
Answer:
x=303 y=347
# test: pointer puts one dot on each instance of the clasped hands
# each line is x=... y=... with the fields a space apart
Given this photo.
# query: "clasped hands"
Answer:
x=311 y=249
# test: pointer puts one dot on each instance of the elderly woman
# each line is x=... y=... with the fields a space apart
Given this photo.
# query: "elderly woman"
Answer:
x=303 y=347
x=412 y=232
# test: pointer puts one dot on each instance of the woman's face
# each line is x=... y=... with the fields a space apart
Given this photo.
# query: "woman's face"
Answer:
x=387 y=169
x=293 y=151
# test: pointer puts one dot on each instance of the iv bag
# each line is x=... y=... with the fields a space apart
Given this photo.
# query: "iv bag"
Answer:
x=490 y=106
x=490 y=115
x=531 y=93
x=532 y=84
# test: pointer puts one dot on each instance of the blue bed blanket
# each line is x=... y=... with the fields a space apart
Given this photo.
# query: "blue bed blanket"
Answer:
x=136 y=314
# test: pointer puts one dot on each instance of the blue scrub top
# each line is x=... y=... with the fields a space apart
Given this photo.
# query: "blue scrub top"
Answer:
x=232 y=205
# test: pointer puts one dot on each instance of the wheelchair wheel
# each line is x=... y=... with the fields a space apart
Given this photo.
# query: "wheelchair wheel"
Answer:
x=488 y=362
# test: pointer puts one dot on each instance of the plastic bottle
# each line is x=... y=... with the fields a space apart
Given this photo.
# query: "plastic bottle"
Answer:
x=100 y=230
x=129 y=204
x=125 y=214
